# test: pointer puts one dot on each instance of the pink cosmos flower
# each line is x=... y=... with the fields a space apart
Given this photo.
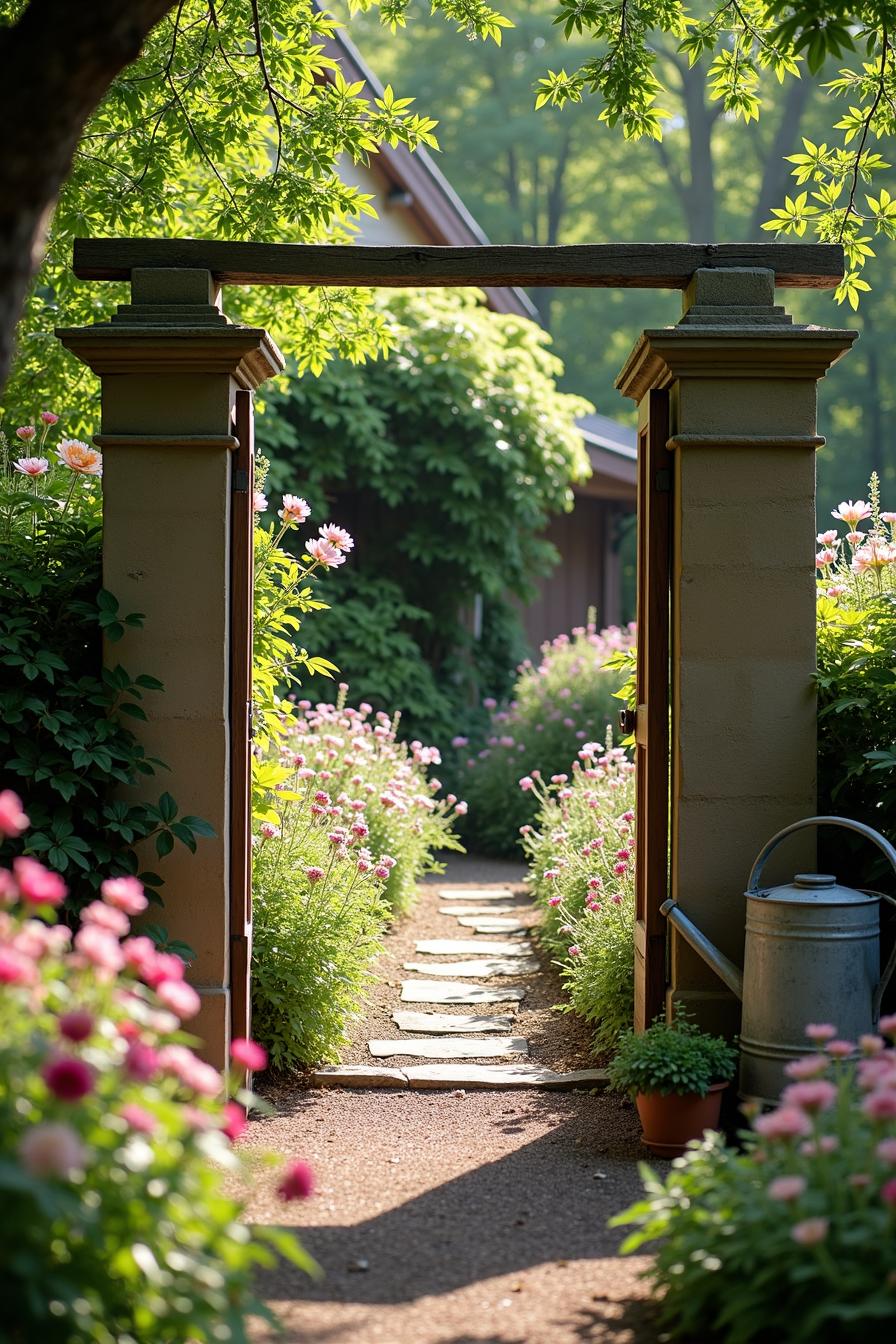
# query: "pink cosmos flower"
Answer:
x=69 y=1079
x=336 y=536
x=314 y=874
x=825 y=558
x=143 y=1121
x=810 y=1232
x=26 y=433
x=104 y=916
x=124 y=893
x=235 y=1122
x=788 y=1122
x=259 y=501
x=100 y=948
x=80 y=458
x=297 y=1182
x=180 y=997
x=13 y=820
x=814 y=1095
x=875 y=555
x=294 y=510
x=48 y=418
x=51 y=1149
x=76 y=1025
x=888 y=517
x=787 y=1188
x=820 y=1032
x=248 y=1053
x=851 y=513
x=36 y=883
x=827 y=538
x=32 y=466
x=141 y=1062
x=325 y=553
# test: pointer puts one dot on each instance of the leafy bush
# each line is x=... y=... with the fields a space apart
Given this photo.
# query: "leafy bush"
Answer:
x=568 y=699
x=447 y=460
x=580 y=853
x=671 y=1057
x=65 y=739
x=115 y=1141
x=856 y=657
x=804 y=1215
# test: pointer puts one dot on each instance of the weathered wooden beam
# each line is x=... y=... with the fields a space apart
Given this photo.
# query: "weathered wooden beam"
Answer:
x=599 y=266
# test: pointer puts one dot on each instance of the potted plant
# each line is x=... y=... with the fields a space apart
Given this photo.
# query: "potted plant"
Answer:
x=676 y=1074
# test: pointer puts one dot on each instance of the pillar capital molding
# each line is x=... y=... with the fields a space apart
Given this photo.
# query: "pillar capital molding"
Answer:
x=665 y=354
x=248 y=354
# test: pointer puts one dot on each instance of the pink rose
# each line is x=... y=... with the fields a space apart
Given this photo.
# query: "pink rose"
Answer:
x=38 y=884
x=13 y=820
x=124 y=893
x=180 y=997
x=248 y=1053
x=106 y=917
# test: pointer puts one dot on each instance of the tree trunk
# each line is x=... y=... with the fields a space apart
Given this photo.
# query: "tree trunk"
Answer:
x=700 y=202
x=556 y=205
x=776 y=178
x=71 y=53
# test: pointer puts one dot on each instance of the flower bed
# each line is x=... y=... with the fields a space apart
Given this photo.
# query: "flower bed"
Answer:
x=581 y=856
x=567 y=699
x=115 y=1137
x=804 y=1216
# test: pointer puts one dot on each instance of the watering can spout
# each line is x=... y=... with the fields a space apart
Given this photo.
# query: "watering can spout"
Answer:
x=723 y=967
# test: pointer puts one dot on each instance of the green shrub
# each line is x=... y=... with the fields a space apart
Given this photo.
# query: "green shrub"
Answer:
x=448 y=459
x=804 y=1215
x=568 y=699
x=581 y=857
x=65 y=736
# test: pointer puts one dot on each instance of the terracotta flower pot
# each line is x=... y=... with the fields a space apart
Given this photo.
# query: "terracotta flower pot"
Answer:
x=670 y=1121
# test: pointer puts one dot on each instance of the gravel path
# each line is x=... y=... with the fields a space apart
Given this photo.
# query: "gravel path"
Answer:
x=445 y=1218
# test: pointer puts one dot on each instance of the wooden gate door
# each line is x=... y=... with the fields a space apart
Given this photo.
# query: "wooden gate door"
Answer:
x=652 y=730
x=241 y=578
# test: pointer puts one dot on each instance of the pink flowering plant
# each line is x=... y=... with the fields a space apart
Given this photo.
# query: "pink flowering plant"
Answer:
x=802 y=1214
x=116 y=1137
x=565 y=700
x=581 y=856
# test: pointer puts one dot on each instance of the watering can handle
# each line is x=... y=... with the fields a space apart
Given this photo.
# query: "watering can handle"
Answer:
x=859 y=826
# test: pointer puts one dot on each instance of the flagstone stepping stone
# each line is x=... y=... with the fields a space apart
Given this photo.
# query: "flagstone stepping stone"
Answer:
x=500 y=1076
x=440 y=1022
x=460 y=947
x=484 y=966
x=358 y=1075
x=445 y=991
x=490 y=911
x=480 y=925
x=477 y=894
x=450 y=1047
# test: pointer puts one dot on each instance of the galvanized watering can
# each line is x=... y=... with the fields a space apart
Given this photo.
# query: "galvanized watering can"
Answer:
x=812 y=954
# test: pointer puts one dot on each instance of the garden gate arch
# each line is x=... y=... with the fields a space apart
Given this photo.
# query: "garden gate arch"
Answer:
x=725 y=724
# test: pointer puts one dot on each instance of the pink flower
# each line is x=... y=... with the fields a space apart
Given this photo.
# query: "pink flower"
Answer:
x=489 y=703
x=551 y=874
x=106 y=917
x=336 y=536
x=527 y=783
x=825 y=558
x=820 y=1032
x=575 y=950
x=235 y=1123
x=851 y=513
x=76 y=1025
x=788 y=1122
x=192 y=1072
x=840 y=1049
x=124 y=893
x=78 y=457
x=381 y=871
x=69 y=1079
x=248 y=1053
x=141 y=1062
x=875 y=555
x=815 y=1095
x=180 y=997
x=808 y=1066
x=887 y=1025
x=268 y=830
x=888 y=1193
x=314 y=874
x=880 y=1105
x=48 y=418
x=143 y=1121
x=871 y=1045
x=38 y=884
x=554 y=900
x=259 y=501
x=888 y=517
x=297 y=1182
x=51 y=1149
x=324 y=553
x=13 y=820
x=32 y=466
x=26 y=432
x=886 y=1151
x=461 y=808
x=99 y=947
x=459 y=741
x=827 y=538
x=16 y=968
x=786 y=1188
x=810 y=1232
x=294 y=510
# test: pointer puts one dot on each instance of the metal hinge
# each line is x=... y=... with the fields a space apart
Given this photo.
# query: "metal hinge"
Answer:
x=662 y=481
x=239 y=481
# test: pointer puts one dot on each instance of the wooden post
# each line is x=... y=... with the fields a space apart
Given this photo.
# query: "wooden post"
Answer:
x=741 y=382
x=171 y=367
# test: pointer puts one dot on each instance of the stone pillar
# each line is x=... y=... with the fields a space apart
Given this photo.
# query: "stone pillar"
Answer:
x=742 y=383
x=171 y=364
